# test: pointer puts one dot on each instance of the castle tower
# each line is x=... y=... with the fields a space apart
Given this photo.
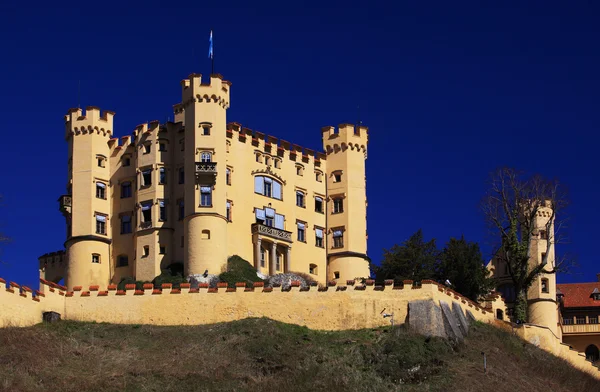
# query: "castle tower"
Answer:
x=87 y=204
x=346 y=202
x=541 y=297
x=204 y=108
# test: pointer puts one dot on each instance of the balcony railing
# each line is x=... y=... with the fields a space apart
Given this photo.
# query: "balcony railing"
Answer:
x=580 y=328
x=272 y=232
x=145 y=225
x=206 y=168
x=65 y=204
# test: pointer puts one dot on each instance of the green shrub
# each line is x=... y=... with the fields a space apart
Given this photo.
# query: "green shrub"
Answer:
x=239 y=270
x=139 y=285
x=167 y=277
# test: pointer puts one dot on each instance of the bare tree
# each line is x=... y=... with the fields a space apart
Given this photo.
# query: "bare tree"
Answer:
x=512 y=208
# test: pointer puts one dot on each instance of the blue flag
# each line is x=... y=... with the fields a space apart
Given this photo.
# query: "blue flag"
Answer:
x=210 y=47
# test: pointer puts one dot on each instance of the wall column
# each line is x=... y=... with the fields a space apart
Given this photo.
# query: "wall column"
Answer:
x=257 y=253
x=274 y=258
x=288 y=258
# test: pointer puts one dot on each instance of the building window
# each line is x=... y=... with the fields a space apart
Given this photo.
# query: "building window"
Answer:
x=267 y=161
x=162 y=179
x=101 y=224
x=146 y=251
x=181 y=209
x=228 y=211
x=126 y=161
x=338 y=239
x=319 y=237
x=543 y=235
x=300 y=199
x=338 y=205
x=162 y=147
x=267 y=186
x=336 y=274
x=262 y=257
x=269 y=217
x=146 y=178
x=318 y=204
x=301 y=232
x=319 y=176
x=337 y=176
x=147 y=212
x=596 y=296
x=147 y=148
x=205 y=131
x=162 y=249
x=162 y=211
x=299 y=170
x=205 y=235
x=100 y=190
x=126 y=224
x=545 y=288
x=206 y=157
x=101 y=160
x=122 y=261
x=228 y=176
x=206 y=196
x=181 y=175
x=227 y=146
x=95 y=258
x=277 y=163
x=312 y=269
x=126 y=189
x=258 y=157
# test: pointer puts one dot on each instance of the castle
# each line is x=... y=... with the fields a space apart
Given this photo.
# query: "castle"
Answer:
x=185 y=195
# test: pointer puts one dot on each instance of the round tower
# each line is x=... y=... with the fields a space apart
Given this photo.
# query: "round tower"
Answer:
x=87 y=203
x=203 y=109
x=346 y=151
x=541 y=297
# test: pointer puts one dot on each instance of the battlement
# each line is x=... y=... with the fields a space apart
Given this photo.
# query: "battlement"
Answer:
x=194 y=90
x=345 y=136
x=276 y=146
x=93 y=121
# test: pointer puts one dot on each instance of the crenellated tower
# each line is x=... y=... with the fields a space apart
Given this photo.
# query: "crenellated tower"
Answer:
x=203 y=110
x=541 y=297
x=86 y=205
x=346 y=150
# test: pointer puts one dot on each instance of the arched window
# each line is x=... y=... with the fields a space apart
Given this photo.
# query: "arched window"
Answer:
x=267 y=186
x=545 y=288
x=508 y=292
x=206 y=157
x=592 y=353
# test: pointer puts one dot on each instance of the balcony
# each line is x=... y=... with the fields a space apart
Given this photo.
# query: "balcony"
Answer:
x=580 y=329
x=65 y=204
x=206 y=170
x=145 y=225
x=272 y=232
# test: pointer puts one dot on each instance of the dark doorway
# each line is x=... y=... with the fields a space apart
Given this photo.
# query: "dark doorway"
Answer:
x=591 y=353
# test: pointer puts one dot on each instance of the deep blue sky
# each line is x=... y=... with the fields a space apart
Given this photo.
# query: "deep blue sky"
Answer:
x=450 y=91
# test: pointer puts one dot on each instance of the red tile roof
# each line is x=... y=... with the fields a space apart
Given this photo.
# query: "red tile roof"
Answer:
x=578 y=295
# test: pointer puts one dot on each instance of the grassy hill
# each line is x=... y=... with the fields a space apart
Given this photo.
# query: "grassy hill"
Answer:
x=263 y=355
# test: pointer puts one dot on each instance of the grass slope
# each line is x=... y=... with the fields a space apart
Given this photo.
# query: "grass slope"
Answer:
x=261 y=355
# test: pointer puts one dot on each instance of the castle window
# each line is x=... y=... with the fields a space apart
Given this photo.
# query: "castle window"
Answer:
x=95 y=258
x=258 y=157
x=312 y=269
x=269 y=217
x=277 y=163
x=338 y=238
x=301 y=232
x=126 y=161
x=228 y=211
x=126 y=224
x=543 y=256
x=181 y=208
x=162 y=211
x=126 y=189
x=162 y=147
x=162 y=250
x=318 y=237
x=147 y=212
x=162 y=178
x=181 y=175
x=146 y=178
x=205 y=196
x=206 y=157
x=318 y=204
x=319 y=176
x=146 y=251
x=267 y=186
x=338 y=205
x=336 y=274
x=205 y=235
x=228 y=176
x=543 y=235
x=206 y=131
x=262 y=256
x=147 y=148
x=227 y=146
x=101 y=160
x=337 y=176
x=545 y=288
x=100 y=224
x=101 y=190
x=596 y=295
x=300 y=199
x=299 y=170
x=122 y=261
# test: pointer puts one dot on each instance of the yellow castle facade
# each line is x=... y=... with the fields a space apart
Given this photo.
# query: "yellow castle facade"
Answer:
x=187 y=194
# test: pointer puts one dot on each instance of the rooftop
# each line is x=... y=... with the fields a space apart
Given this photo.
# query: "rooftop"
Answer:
x=579 y=295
